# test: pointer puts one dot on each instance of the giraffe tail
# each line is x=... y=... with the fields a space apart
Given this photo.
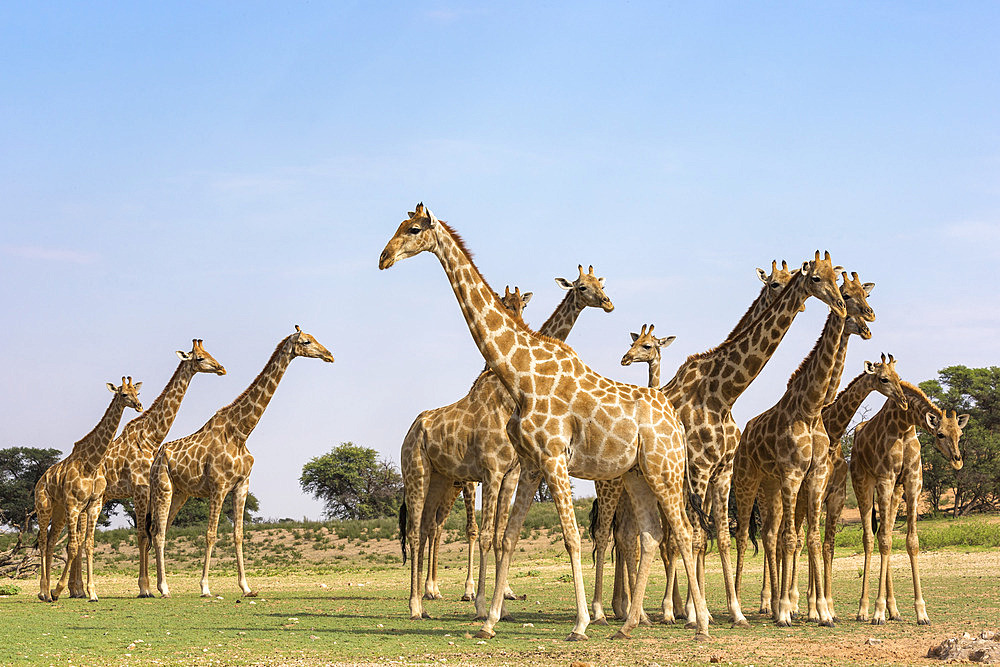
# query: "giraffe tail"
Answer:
x=874 y=518
x=694 y=500
x=402 y=529
x=754 y=525
x=150 y=530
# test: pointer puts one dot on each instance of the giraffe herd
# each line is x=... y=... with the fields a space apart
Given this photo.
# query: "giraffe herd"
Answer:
x=664 y=458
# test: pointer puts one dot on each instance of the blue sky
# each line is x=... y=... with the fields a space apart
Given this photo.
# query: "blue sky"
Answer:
x=227 y=170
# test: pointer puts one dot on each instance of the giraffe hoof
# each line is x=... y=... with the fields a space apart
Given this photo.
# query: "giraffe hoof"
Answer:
x=742 y=623
x=601 y=620
x=468 y=598
x=480 y=617
x=783 y=623
x=878 y=621
x=826 y=624
x=924 y=621
x=577 y=637
x=621 y=635
x=701 y=636
x=668 y=620
x=645 y=622
x=507 y=618
x=424 y=614
x=206 y=595
x=895 y=617
x=428 y=596
x=861 y=617
x=485 y=634
x=250 y=594
x=690 y=625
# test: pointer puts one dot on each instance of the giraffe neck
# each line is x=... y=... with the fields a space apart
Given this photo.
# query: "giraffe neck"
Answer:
x=496 y=333
x=727 y=370
x=91 y=448
x=247 y=409
x=837 y=372
x=654 y=371
x=561 y=322
x=753 y=312
x=838 y=413
x=150 y=428
x=892 y=421
x=811 y=381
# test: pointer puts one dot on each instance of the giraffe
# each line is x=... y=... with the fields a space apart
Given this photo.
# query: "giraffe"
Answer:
x=214 y=460
x=885 y=464
x=73 y=487
x=645 y=348
x=126 y=465
x=837 y=414
x=855 y=295
x=609 y=492
x=567 y=419
x=467 y=440
x=448 y=432
x=786 y=448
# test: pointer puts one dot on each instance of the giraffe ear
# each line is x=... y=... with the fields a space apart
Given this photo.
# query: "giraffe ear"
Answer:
x=963 y=420
x=601 y=280
x=184 y=356
x=868 y=287
x=635 y=336
x=806 y=267
x=762 y=275
x=432 y=221
x=838 y=269
x=664 y=342
x=138 y=386
x=869 y=368
x=932 y=420
x=113 y=389
x=526 y=297
x=565 y=284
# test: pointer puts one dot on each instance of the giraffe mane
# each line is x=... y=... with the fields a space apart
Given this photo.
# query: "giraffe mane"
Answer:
x=277 y=351
x=156 y=402
x=919 y=394
x=802 y=364
x=860 y=377
x=520 y=325
x=745 y=320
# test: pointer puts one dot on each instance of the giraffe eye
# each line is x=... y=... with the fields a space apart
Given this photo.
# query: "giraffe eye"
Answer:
x=775 y=285
x=305 y=342
x=884 y=380
x=847 y=297
x=647 y=347
x=582 y=288
x=815 y=279
x=940 y=436
x=414 y=230
x=199 y=359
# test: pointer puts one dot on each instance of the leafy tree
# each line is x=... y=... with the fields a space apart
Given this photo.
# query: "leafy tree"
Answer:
x=353 y=483
x=20 y=470
x=976 y=486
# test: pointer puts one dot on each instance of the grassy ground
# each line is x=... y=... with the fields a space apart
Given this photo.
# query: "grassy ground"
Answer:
x=327 y=599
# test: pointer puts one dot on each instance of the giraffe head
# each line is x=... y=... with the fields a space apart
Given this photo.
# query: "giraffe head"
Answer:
x=645 y=346
x=820 y=279
x=887 y=380
x=413 y=236
x=947 y=431
x=304 y=345
x=515 y=301
x=588 y=289
x=775 y=281
x=129 y=393
x=855 y=295
x=202 y=361
x=855 y=326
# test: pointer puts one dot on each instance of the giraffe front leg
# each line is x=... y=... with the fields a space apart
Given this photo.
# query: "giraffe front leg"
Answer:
x=913 y=550
x=864 y=490
x=211 y=534
x=471 y=536
x=140 y=498
x=643 y=505
x=77 y=588
x=883 y=497
x=45 y=548
x=720 y=506
x=502 y=512
x=92 y=514
x=527 y=485
x=608 y=494
x=492 y=489
x=240 y=494
x=72 y=548
x=835 y=498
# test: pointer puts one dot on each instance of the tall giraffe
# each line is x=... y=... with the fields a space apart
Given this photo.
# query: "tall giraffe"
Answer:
x=214 y=460
x=127 y=463
x=608 y=492
x=467 y=440
x=567 y=420
x=786 y=448
x=441 y=438
x=73 y=488
x=855 y=295
x=885 y=464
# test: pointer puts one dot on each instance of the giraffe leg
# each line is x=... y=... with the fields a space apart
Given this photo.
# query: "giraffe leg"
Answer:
x=608 y=492
x=140 y=499
x=72 y=546
x=629 y=556
x=835 y=497
x=814 y=504
x=492 y=486
x=789 y=490
x=864 y=489
x=622 y=584
x=527 y=485
x=557 y=478
x=43 y=510
x=800 y=517
x=883 y=496
x=892 y=611
x=746 y=492
x=416 y=482
x=913 y=549
x=672 y=605
x=77 y=588
x=643 y=503
x=240 y=493
x=163 y=507
x=771 y=514
x=720 y=506
x=440 y=499
x=211 y=534
x=507 y=489
x=471 y=536
x=91 y=515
